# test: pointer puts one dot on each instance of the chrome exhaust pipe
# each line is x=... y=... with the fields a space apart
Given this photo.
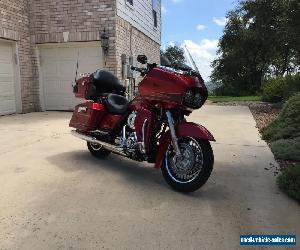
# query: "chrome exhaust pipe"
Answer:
x=94 y=140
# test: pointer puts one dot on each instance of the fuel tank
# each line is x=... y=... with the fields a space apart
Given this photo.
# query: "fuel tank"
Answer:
x=166 y=85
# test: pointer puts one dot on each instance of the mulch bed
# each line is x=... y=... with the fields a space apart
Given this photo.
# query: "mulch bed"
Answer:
x=264 y=114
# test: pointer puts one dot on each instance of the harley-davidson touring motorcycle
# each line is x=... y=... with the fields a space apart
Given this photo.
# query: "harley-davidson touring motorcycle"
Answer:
x=152 y=127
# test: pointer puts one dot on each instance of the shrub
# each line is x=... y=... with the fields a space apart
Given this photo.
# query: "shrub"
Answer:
x=286 y=126
x=286 y=149
x=289 y=181
x=280 y=88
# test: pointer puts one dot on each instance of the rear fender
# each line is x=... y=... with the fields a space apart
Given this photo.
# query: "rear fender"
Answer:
x=185 y=129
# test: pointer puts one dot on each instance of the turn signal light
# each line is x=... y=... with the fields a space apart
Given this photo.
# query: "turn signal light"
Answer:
x=97 y=106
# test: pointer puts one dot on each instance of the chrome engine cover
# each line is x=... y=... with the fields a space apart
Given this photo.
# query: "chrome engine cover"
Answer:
x=131 y=142
x=131 y=119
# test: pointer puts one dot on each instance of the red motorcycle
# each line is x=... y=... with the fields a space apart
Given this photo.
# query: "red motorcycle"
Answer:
x=152 y=127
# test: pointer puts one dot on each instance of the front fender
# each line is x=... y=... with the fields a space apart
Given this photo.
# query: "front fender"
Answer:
x=184 y=129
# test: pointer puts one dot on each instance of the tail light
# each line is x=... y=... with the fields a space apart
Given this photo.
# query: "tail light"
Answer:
x=192 y=98
x=97 y=106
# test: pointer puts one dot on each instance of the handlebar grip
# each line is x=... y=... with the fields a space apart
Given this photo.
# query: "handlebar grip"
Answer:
x=141 y=70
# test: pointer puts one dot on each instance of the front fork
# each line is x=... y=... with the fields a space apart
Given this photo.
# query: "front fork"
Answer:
x=173 y=132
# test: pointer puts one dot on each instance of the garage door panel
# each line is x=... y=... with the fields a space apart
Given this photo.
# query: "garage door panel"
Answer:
x=52 y=86
x=8 y=99
x=59 y=68
x=6 y=80
x=48 y=53
x=67 y=69
x=89 y=66
x=91 y=59
x=5 y=69
x=7 y=83
x=7 y=106
x=66 y=85
x=90 y=52
x=50 y=70
x=7 y=90
x=4 y=52
x=67 y=53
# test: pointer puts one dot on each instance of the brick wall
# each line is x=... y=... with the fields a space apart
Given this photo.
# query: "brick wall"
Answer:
x=14 y=25
x=32 y=22
x=133 y=42
x=82 y=20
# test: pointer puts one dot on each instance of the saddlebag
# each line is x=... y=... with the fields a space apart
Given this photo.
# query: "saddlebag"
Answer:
x=87 y=116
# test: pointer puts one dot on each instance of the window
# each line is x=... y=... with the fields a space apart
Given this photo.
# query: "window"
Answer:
x=155 y=18
x=130 y=2
x=154 y=12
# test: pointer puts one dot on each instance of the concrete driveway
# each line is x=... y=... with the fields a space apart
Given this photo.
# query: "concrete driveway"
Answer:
x=54 y=195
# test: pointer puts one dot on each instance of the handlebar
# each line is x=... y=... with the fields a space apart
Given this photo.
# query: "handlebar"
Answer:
x=141 y=70
x=144 y=71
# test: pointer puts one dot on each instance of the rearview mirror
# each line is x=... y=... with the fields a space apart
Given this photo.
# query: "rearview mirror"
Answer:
x=142 y=59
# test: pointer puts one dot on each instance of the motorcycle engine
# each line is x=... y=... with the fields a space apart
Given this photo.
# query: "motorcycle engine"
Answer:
x=131 y=141
x=128 y=140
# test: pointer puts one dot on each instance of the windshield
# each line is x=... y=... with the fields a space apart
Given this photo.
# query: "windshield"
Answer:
x=183 y=62
x=189 y=60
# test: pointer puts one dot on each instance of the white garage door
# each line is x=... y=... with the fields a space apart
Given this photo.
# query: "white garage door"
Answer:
x=7 y=85
x=58 y=67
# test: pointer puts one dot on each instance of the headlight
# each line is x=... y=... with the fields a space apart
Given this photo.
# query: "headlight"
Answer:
x=192 y=98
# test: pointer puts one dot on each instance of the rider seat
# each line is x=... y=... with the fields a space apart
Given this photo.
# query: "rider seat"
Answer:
x=116 y=104
x=106 y=82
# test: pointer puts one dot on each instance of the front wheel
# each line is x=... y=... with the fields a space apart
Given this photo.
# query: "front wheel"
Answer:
x=97 y=150
x=191 y=169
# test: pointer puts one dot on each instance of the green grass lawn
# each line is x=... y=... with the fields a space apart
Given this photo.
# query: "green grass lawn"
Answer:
x=234 y=98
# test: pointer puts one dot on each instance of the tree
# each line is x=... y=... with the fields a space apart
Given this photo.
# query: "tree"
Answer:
x=174 y=54
x=258 y=42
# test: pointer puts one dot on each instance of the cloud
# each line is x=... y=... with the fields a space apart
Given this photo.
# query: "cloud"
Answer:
x=200 y=27
x=172 y=44
x=221 y=21
x=163 y=9
x=176 y=1
x=203 y=54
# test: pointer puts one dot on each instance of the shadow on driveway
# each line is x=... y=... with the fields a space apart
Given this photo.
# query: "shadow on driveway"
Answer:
x=140 y=174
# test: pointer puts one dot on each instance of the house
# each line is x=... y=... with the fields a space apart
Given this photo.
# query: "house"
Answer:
x=42 y=42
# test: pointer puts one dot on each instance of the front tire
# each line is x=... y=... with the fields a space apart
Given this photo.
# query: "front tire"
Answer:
x=98 y=151
x=189 y=171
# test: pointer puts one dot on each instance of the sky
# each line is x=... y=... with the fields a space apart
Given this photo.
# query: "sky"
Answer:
x=198 y=24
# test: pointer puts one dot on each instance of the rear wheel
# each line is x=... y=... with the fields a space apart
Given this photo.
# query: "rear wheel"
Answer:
x=97 y=150
x=191 y=169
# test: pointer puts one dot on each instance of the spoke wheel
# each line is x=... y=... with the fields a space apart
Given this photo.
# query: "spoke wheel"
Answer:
x=189 y=170
x=185 y=167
